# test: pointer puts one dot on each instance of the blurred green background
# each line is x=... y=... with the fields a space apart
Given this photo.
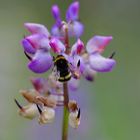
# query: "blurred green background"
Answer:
x=113 y=108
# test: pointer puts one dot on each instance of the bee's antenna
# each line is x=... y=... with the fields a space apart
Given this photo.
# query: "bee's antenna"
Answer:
x=29 y=57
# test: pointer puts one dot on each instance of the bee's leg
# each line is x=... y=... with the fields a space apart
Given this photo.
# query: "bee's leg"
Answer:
x=53 y=58
x=57 y=75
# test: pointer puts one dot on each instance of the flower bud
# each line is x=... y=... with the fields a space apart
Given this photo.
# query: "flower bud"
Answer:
x=47 y=115
x=74 y=119
x=30 y=111
x=56 y=14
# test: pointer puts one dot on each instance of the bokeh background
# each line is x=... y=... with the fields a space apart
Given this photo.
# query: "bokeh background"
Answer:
x=110 y=105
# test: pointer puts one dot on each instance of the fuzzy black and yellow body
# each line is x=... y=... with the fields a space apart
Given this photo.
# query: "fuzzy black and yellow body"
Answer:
x=62 y=67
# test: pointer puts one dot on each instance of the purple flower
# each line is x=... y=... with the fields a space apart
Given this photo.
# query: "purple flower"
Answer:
x=91 y=60
x=35 y=28
x=37 y=45
x=89 y=57
x=95 y=46
x=41 y=61
x=75 y=27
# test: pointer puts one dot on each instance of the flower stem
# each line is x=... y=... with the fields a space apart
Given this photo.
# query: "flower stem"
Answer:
x=65 y=113
x=65 y=124
x=66 y=96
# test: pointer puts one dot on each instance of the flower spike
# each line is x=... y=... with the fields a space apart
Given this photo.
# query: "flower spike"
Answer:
x=67 y=63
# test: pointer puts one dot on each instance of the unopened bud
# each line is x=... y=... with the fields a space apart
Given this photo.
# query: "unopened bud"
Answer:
x=74 y=118
x=30 y=111
x=47 y=115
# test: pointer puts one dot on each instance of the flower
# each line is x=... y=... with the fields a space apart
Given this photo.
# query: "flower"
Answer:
x=46 y=115
x=75 y=114
x=75 y=27
x=29 y=111
x=74 y=118
x=95 y=47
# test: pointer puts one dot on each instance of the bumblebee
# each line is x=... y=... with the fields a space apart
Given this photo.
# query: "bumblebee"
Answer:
x=62 y=68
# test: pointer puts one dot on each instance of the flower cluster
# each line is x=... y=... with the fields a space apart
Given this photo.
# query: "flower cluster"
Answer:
x=43 y=98
x=68 y=63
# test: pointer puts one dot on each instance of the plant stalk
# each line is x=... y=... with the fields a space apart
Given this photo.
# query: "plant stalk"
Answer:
x=66 y=96
x=65 y=113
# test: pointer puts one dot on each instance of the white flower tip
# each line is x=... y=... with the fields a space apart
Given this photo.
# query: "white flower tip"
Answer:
x=29 y=111
x=74 y=118
x=47 y=115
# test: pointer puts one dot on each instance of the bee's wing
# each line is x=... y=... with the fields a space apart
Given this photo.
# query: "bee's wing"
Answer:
x=55 y=72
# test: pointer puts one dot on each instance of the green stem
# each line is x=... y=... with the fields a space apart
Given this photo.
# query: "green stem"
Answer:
x=65 y=123
x=65 y=112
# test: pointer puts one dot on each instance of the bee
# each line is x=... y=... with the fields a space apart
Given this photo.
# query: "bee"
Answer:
x=62 y=68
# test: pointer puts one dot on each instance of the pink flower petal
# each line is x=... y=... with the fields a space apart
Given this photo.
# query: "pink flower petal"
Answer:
x=76 y=29
x=101 y=64
x=40 y=84
x=98 y=43
x=37 y=28
x=73 y=84
x=55 y=31
x=39 y=41
x=77 y=47
x=89 y=73
x=73 y=60
x=41 y=62
x=57 y=46
x=28 y=46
